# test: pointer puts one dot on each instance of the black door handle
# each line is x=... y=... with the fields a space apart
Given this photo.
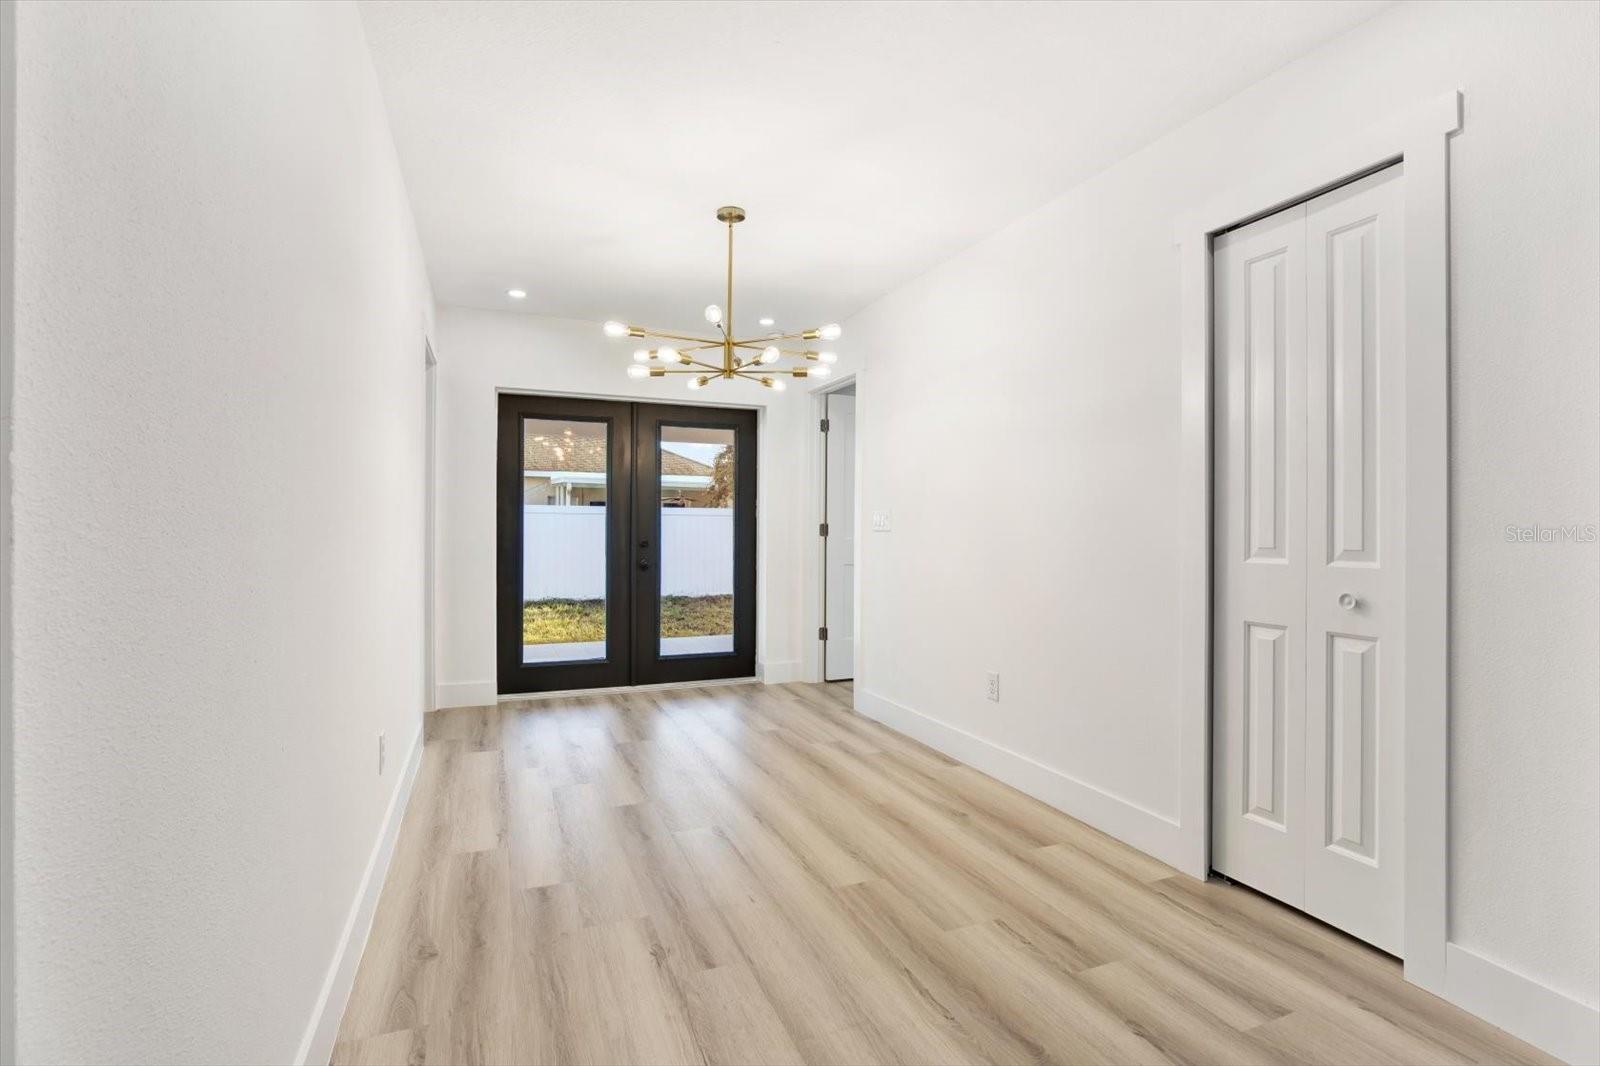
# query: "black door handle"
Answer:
x=644 y=564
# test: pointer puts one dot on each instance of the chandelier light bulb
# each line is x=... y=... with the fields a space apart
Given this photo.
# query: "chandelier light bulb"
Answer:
x=638 y=370
x=713 y=314
x=698 y=382
x=641 y=355
x=766 y=321
x=827 y=357
x=616 y=329
x=517 y=294
x=830 y=332
x=770 y=354
x=667 y=355
x=821 y=371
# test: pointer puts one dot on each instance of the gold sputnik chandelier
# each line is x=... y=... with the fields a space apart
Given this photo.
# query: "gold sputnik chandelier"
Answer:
x=753 y=359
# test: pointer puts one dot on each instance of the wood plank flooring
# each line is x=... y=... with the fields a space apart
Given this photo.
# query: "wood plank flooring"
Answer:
x=756 y=874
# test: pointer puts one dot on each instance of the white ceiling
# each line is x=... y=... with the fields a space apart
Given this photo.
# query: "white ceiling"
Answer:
x=579 y=150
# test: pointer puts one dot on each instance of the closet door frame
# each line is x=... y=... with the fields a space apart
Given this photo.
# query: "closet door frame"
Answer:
x=1419 y=138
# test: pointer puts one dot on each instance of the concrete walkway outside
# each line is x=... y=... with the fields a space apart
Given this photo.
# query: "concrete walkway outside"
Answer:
x=583 y=651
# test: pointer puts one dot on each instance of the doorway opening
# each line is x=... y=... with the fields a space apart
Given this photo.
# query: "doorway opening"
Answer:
x=1308 y=561
x=838 y=533
x=626 y=543
x=430 y=438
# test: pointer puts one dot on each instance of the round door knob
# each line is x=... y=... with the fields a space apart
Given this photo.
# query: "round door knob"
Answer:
x=1348 y=601
x=644 y=564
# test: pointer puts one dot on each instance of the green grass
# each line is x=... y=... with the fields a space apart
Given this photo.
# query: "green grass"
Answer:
x=563 y=621
x=575 y=621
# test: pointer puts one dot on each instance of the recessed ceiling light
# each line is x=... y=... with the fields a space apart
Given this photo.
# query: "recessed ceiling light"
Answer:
x=766 y=321
x=516 y=294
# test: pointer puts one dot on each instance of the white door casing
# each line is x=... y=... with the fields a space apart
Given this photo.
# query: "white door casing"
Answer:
x=839 y=650
x=1309 y=319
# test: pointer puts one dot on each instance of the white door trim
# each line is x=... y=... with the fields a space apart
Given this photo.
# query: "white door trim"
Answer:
x=1418 y=137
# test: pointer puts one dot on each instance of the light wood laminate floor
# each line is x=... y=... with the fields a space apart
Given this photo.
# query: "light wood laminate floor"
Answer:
x=756 y=874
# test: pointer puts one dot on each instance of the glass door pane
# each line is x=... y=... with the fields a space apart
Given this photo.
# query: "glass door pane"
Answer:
x=563 y=570
x=694 y=500
x=565 y=482
x=696 y=467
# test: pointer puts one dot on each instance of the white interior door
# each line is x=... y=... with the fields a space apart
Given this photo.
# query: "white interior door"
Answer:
x=1258 y=751
x=1307 y=757
x=839 y=650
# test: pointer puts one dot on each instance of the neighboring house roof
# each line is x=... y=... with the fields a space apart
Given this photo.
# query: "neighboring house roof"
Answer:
x=588 y=455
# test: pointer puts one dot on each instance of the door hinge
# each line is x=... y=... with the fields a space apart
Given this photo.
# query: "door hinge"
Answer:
x=824 y=425
x=822 y=530
x=822 y=632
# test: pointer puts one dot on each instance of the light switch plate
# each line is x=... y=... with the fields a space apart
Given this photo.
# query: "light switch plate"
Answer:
x=880 y=521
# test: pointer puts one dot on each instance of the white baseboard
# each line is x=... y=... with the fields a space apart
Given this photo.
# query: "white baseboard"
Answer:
x=1521 y=1006
x=465 y=694
x=778 y=673
x=1152 y=833
x=316 y=1047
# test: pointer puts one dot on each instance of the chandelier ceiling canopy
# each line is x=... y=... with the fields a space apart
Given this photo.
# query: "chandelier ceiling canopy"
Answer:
x=754 y=358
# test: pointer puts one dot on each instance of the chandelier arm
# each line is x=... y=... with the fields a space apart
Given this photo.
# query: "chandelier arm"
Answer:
x=801 y=352
x=706 y=342
x=761 y=342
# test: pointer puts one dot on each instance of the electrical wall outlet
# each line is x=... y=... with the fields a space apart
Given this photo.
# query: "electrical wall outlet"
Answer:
x=383 y=745
x=993 y=690
x=880 y=521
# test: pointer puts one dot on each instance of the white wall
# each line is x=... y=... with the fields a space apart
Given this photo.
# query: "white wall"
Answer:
x=484 y=351
x=1042 y=368
x=220 y=308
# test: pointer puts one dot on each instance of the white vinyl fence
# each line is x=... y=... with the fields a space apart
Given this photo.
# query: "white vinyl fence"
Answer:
x=564 y=552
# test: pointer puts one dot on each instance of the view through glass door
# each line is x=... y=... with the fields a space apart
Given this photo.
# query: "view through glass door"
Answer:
x=626 y=543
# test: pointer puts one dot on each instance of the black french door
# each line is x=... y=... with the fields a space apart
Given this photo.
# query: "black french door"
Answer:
x=626 y=543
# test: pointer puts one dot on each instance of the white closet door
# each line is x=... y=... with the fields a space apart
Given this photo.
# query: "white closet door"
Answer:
x=1354 y=729
x=1258 y=739
x=1307 y=718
